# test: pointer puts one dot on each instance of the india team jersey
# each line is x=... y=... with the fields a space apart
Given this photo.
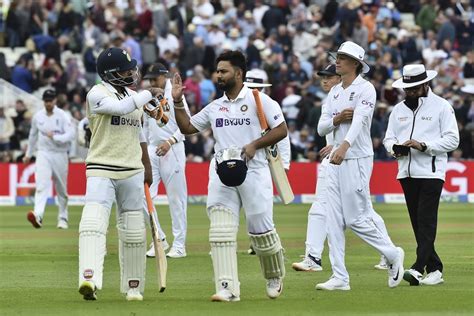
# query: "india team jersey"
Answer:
x=360 y=96
x=235 y=122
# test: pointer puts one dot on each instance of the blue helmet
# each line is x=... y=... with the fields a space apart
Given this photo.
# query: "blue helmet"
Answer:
x=114 y=60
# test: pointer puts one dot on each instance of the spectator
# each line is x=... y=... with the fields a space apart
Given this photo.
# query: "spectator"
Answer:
x=6 y=130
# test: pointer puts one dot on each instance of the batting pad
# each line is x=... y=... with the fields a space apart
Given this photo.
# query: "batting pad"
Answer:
x=132 y=249
x=270 y=252
x=223 y=240
x=92 y=230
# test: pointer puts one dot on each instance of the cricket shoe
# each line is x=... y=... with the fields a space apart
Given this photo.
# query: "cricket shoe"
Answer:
x=151 y=252
x=36 y=221
x=88 y=291
x=134 y=295
x=333 y=284
x=225 y=295
x=62 y=224
x=383 y=264
x=176 y=253
x=433 y=278
x=395 y=269
x=274 y=287
x=412 y=276
x=309 y=264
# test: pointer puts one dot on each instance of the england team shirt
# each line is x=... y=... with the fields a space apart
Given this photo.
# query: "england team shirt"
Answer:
x=360 y=96
x=59 y=123
x=235 y=122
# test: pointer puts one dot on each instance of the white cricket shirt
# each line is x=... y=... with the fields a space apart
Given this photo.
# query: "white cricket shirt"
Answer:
x=235 y=122
x=59 y=123
x=360 y=96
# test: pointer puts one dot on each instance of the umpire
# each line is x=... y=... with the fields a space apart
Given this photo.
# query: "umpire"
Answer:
x=421 y=130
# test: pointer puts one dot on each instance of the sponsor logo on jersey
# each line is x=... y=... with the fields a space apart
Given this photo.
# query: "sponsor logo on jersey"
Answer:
x=335 y=96
x=88 y=274
x=336 y=113
x=118 y=120
x=370 y=104
x=244 y=108
x=426 y=118
x=222 y=122
x=276 y=117
x=223 y=109
x=403 y=118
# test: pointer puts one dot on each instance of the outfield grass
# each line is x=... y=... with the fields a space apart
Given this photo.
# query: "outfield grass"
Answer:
x=38 y=271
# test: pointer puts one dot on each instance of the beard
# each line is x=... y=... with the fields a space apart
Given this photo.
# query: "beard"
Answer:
x=226 y=85
x=412 y=102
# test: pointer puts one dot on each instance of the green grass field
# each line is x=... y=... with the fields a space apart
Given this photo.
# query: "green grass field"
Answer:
x=38 y=270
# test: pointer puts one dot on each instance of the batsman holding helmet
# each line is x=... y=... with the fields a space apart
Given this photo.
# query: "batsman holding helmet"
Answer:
x=117 y=166
x=239 y=175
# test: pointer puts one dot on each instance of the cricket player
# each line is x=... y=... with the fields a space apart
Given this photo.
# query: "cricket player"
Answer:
x=350 y=167
x=168 y=160
x=254 y=79
x=117 y=166
x=234 y=123
x=316 y=232
x=51 y=134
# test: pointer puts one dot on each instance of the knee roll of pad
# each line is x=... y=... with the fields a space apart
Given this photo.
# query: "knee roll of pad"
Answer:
x=223 y=240
x=132 y=249
x=270 y=252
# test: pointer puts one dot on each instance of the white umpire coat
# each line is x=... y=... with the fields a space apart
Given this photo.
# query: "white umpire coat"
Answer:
x=434 y=123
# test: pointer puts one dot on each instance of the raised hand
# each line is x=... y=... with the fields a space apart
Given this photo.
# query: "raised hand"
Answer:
x=177 y=87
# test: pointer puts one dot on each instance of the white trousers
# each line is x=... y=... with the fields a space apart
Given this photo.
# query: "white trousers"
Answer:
x=255 y=195
x=171 y=170
x=317 y=223
x=51 y=164
x=349 y=205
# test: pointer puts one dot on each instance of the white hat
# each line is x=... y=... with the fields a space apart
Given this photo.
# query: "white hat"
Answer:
x=259 y=44
x=254 y=79
x=414 y=75
x=352 y=50
x=469 y=88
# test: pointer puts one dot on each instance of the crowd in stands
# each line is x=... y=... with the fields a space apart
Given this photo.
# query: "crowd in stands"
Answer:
x=288 y=39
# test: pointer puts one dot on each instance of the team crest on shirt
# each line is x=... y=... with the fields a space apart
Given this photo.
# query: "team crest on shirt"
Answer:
x=244 y=108
x=351 y=97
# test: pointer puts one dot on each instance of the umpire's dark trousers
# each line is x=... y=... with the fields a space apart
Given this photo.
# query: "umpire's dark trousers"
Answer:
x=422 y=198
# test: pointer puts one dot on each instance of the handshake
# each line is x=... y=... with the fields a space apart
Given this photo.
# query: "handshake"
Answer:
x=157 y=107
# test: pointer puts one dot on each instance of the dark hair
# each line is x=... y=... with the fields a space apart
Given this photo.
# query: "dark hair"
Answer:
x=359 y=69
x=236 y=59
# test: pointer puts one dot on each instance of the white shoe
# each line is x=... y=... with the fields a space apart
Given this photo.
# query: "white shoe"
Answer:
x=395 y=270
x=151 y=252
x=274 y=287
x=134 y=295
x=333 y=284
x=88 y=291
x=176 y=253
x=309 y=264
x=412 y=276
x=224 y=295
x=433 y=278
x=251 y=251
x=62 y=224
x=383 y=264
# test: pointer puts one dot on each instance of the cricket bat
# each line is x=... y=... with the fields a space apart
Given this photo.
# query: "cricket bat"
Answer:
x=161 y=263
x=273 y=156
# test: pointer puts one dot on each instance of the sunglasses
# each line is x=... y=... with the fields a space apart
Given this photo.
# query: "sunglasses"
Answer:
x=413 y=89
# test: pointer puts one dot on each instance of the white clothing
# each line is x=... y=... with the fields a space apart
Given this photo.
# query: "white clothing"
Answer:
x=360 y=96
x=170 y=43
x=288 y=105
x=236 y=122
x=434 y=123
x=169 y=168
x=258 y=13
x=284 y=148
x=51 y=157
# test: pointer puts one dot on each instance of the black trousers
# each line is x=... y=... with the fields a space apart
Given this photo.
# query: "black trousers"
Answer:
x=422 y=198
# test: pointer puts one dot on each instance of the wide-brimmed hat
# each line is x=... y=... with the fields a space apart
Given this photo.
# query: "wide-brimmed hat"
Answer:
x=254 y=79
x=155 y=70
x=414 y=75
x=469 y=88
x=352 y=50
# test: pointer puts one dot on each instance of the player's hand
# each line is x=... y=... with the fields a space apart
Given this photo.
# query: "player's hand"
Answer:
x=50 y=134
x=26 y=159
x=249 y=151
x=413 y=144
x=344 y=116
x=162 y=149
x=155 y=92
x=325 y=151
x=148 y=176
x=177 y=87
x=339 y=154
x=156 y=112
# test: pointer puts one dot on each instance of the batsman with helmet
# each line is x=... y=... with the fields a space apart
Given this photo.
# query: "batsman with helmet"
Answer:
x=117 y=165
x=242 y=178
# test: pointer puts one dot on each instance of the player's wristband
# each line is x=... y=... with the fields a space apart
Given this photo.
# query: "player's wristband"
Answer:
x=169 y=143
x=178 y=104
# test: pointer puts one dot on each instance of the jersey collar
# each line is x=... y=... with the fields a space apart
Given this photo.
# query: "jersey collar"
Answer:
x=242 y=94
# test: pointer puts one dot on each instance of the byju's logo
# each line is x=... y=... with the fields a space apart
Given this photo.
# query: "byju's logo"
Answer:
x=115 y=120
x=219 y=122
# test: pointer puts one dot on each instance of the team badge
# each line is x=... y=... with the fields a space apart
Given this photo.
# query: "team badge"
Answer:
x=336 y=96
x=351 y=97
x=133 y=284
x=244 y=108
